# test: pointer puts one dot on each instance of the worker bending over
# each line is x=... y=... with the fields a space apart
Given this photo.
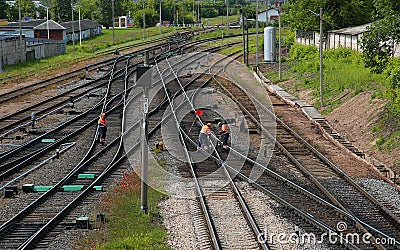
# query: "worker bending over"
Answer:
x=204 y=137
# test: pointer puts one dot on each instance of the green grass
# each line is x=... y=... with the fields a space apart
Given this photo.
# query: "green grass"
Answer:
x=127 y=227
x=220 y=20
x=344 y=75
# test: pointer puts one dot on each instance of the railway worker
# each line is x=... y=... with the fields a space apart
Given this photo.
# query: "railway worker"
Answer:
x=219 y=127
x=204 y=137
x=102 y=128
x=224 y=132
x=219 y=133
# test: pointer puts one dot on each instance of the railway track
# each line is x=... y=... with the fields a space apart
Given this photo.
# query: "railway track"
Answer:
x=88 y=166
x=63 y=102
x=22 y=228
x=344 y=193
x=218 y=236
x=316 y=195
x=317 y=210
x=23 y=118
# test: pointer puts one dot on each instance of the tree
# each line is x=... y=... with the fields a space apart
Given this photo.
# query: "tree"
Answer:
x=41 y=12
x=12 y=13
x=104 y=12
x=60 y=10
x=379 y=43
x=88 y=9
x=3 y=9
x=336 y=13
x=208 y=12
x=27 y=9
x=385 y=8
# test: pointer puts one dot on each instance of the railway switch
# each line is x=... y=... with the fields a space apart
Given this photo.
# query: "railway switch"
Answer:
x=27 y=188
x=48 y=140
x=86 y=176
x=72 y=188
x=98 y=188
x=41 y=188
x=10 y=191
x=83 y=222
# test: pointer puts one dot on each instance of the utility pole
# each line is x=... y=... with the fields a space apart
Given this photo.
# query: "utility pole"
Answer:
x=174 y=13
x=227 y=13
x=321 y=75
x=145 y=160
x=321 y=48
x=113 y=23
x=144 y=20
x=47 y=19
x=193 y=12
x=20 y=24
x=160 y=18
x=146 y=84
x=256 y=33
x=80 y=29
x=198 y=12
x=247 y=45
x=244 y=40
x=73 y=26
x=279 y=47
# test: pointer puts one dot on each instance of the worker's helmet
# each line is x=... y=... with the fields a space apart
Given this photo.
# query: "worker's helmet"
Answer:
x=103 y=114
x=209 y=125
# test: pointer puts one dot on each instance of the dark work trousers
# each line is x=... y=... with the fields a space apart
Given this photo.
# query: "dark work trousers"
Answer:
x=225 y=137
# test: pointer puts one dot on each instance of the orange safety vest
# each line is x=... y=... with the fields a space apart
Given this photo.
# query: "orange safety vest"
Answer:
x=224 y=128
x=102 y=122
x=206 y=130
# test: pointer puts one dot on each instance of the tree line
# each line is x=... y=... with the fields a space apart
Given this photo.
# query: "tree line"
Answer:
x=378 y=44
x=182 y=11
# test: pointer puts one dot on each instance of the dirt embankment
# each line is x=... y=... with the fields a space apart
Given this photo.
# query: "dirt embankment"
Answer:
x=354 y=119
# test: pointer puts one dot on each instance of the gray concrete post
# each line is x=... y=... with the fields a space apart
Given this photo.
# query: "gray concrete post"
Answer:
x=145 y=160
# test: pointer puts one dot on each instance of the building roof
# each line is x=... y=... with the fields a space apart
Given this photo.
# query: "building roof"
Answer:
x=352 y=30
x=42 y=24
x=9 y=37
x=28 y=24
x=273 y=10
x=85 y=24
x=52 y=26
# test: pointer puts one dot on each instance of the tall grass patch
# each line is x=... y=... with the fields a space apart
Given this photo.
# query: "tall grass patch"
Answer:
x=344 y=74
x=127 y=226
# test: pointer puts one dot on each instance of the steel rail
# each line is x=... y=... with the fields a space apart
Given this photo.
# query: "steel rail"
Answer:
x=211 y=228
x=111 y=167
x=84 y=161
x=249 y=218
x=81 y=165
x=27 y=245
x=361 y=224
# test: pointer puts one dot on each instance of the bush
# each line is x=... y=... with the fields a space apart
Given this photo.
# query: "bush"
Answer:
x=301 y=52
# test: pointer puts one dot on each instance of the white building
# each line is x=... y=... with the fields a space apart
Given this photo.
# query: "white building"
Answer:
x=268 y=16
